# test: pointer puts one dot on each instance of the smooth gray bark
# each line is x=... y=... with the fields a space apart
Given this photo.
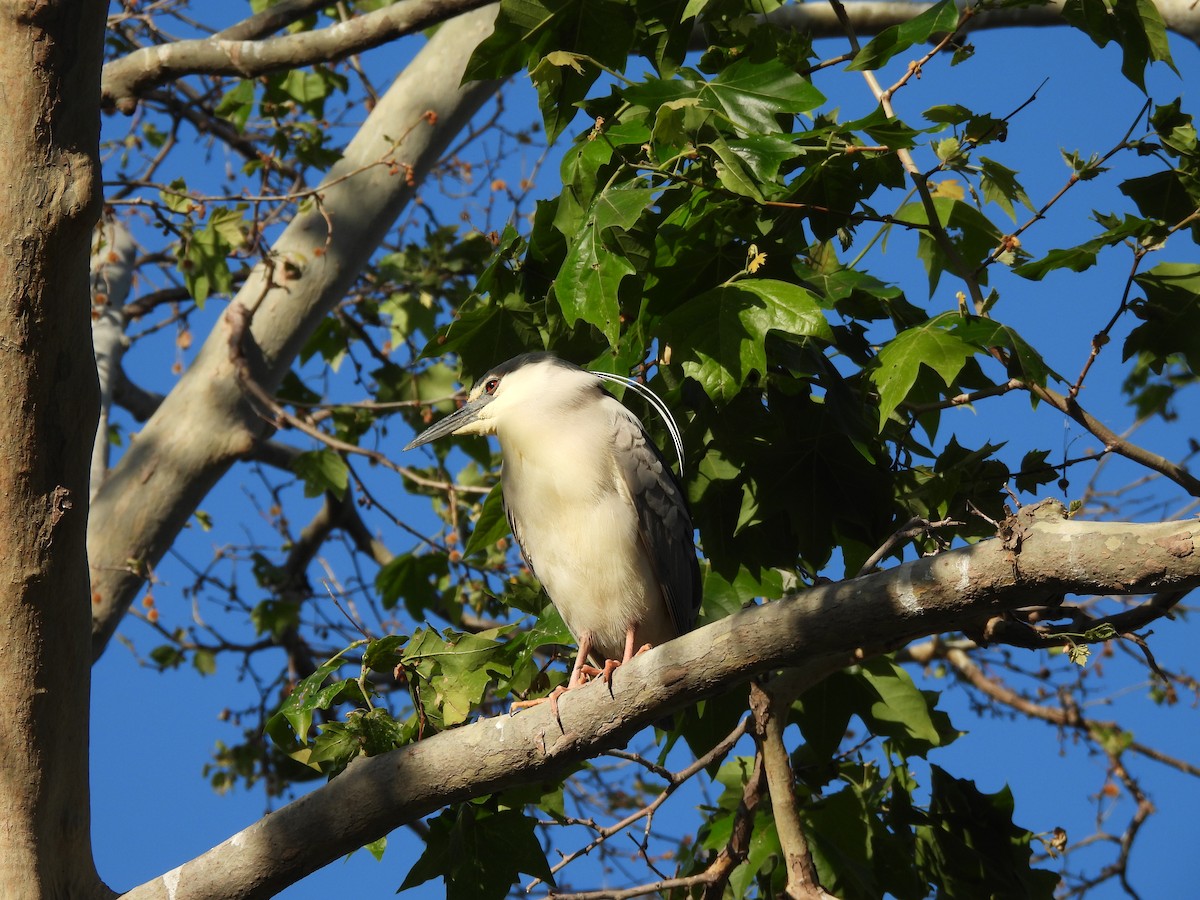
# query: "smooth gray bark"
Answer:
x=869 y=18
x=113 y=252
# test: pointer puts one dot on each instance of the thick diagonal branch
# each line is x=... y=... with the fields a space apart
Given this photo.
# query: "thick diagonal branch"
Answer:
x=205 y=424
x=814 y=633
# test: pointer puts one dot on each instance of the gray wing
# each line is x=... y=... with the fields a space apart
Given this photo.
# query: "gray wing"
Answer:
x=516 y=533
x=664 y=523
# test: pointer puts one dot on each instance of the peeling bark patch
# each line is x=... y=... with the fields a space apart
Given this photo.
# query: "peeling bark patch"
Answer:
x=964 y=575
x=672 y=674
x=61 y=504
x=1178 y=545
x=905 y=594
x=171 y=881
x=564 y=743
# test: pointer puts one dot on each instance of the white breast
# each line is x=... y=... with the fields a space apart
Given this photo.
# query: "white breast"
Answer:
x=580 y=532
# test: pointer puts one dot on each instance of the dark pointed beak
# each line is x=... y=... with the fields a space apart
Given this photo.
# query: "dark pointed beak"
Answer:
x=461 y=417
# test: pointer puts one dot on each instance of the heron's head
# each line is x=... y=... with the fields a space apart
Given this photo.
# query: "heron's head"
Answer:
x=526 y=386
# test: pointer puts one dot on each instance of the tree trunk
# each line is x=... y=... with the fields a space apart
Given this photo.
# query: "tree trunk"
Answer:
x=49 y=88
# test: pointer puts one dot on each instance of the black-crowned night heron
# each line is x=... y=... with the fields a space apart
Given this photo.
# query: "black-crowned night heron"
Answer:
x=598 y=515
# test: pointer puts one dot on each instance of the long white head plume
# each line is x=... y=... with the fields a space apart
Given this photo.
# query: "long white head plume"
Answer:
x=659 y=406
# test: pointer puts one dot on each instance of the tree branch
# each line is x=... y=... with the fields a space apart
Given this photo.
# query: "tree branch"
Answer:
x=270 y=20
x=870 y=17
x=151 y=493
x=814 y=633
x=128 y=78
x=1114 y=443
x=113 y=251
x=770 y=711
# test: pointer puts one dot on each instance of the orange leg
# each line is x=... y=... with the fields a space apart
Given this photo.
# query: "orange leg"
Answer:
x=582 y=670
x=579 y=672
x=611 y=665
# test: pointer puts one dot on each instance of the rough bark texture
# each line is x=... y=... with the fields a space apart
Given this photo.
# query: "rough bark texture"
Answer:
x=206 y=423
x=1041 y=557
x=49 y=92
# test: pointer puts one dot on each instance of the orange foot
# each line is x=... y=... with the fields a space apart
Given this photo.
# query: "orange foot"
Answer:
x=551 y=698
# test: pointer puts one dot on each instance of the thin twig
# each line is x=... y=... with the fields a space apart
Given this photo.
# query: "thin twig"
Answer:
x=674 y=781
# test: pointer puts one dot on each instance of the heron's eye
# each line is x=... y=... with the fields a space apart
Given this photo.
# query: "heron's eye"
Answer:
x=491 y=385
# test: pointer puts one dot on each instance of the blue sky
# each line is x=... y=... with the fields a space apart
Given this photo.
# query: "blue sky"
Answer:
x=153 y=733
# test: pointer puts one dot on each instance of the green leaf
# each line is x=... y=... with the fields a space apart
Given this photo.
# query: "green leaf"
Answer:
x=1025 y=362
x=969 y=839
x=454 y=670
x=203 y=254
x=723 y=597
x=884 y=129
x=1175 y=129
x=952 y=114
x=666 y=38
x=491 y=526
x=1135 y=25
x=591 y=275
x=1083 y=256
x=903 y=712
x=939 y=19
x=308 y=88
x=1093 y=18
x=850 y=849
x=1035 y=471
x=755 y=98
x=1166 y=196
x=720 y=336
x=479 y=854
x=1000 y=186
x=383 y=654
x=167 y=656
x=237 y=104
x=536 y=33
x=412 y=578
x=491 y=330
x=322 y=470
x=762 y=857
x=309 y=695
x=1170 y=314
x=933 y=344
x=971 y=232
x=1145 y=38
x=732 y=173
x=333 y=748
x=176 y=197
x=763 y=154
x=751 y=95
x=1114 y=740
x=205 y=662
x=823 y=714
x=377 y=847
x=275 y=617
